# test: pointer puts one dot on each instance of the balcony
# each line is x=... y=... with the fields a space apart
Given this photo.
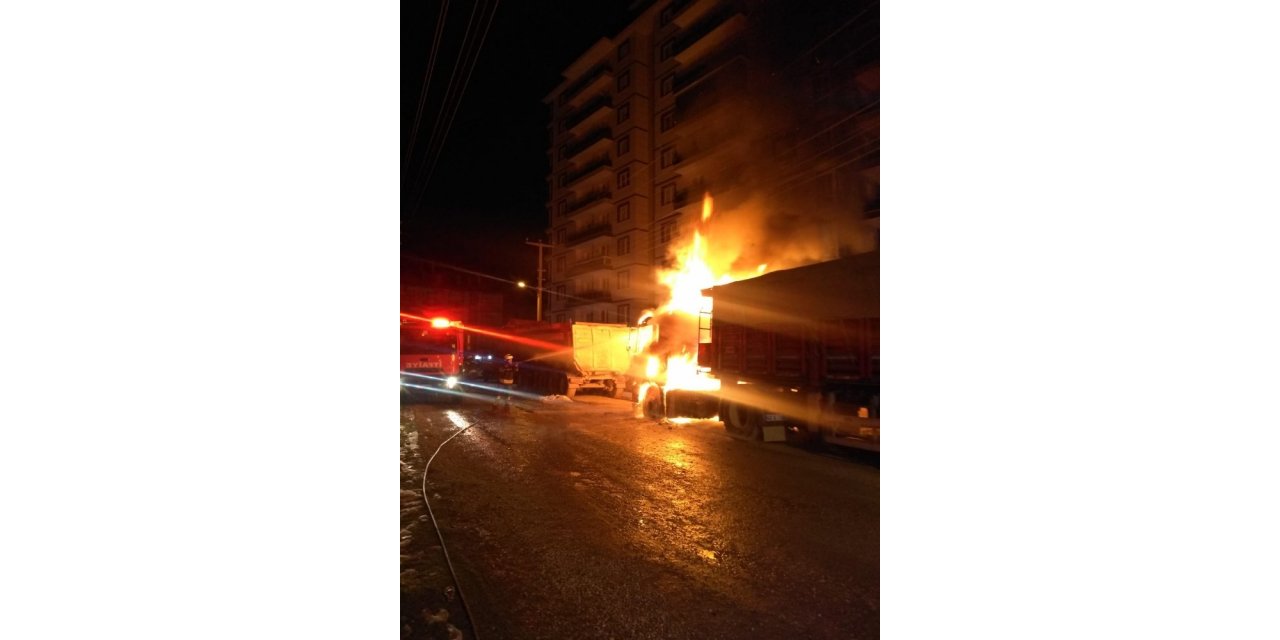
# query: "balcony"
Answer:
x=871 y=210
x=602 y=74
x=727 y=62
x=590 y=233
x=591 y=199
x=601 y=106
x=700 y=44
x=693 y=11
x=588 y=141
x=633 y=257
x=598 y=263
x=589 y=168
x=594 y=295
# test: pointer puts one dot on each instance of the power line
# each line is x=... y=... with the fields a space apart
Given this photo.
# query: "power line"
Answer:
x=449 y=96
x=474 y=61
x=426 y=84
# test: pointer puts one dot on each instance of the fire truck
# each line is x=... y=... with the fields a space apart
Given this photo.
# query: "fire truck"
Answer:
x=431 y=352
x=796 y=353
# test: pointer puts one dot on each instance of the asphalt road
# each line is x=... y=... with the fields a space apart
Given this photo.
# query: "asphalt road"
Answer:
x=578 y=520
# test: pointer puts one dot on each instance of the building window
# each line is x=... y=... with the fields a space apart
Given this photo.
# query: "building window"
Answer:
x=668 y=193
x=624 y=279
x=668 y=157
x=560 y=237
x=668 y=120
x=667 y=50
x=564 y=207
x=665 y=17
x=624 y=111
x=624 y=49
x=624 y=80
x=624 y=212
x=624 y=145
x=624 y=245
x=624 y=178
x=560 y=265
x=668 y=83
x=668 y=231
x=624 y=313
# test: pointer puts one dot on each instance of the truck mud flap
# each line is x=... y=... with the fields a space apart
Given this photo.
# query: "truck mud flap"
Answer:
x=773 y=427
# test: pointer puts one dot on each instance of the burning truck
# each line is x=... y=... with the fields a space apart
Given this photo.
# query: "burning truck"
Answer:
x=787 y=354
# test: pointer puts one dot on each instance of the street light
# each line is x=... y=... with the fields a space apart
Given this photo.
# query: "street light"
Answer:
x=521 y=284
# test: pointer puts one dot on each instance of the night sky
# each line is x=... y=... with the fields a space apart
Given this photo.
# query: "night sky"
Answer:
x=488 y=191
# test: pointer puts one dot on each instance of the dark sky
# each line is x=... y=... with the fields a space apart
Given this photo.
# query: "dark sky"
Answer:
x=487 y=193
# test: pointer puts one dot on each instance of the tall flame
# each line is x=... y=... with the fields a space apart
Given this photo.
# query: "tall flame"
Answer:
x=687 y=306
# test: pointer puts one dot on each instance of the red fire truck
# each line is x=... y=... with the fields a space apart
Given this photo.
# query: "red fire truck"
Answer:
x=431 y=352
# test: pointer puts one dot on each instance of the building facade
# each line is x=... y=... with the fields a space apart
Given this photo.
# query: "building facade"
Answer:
x=773 y=111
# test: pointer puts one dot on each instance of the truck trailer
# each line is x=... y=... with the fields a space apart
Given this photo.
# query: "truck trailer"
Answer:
x=797 y=353
x=563 y=358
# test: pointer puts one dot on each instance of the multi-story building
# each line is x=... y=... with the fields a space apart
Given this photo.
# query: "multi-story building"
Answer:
x=753 y=100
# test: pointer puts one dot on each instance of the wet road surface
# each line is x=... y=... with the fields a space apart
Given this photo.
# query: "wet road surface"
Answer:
x=577 y=520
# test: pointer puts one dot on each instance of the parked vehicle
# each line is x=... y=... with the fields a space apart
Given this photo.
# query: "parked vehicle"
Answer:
x=431 y=353
x=796 y=352
x=570 y=357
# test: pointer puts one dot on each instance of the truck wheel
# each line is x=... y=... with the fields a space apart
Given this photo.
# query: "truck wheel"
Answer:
x=653 y=403
x=742 y=421
x=611 y=388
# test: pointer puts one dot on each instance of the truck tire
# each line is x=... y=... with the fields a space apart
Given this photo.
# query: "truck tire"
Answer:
x=611 y=388
x=742 y=421
x=653 y=406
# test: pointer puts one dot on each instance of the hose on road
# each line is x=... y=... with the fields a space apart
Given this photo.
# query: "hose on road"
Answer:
x=470 y=618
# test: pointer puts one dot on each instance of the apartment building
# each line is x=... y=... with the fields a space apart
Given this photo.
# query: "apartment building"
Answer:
x=751 y=100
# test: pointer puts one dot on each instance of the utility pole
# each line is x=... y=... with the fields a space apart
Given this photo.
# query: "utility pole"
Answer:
x=540 y=246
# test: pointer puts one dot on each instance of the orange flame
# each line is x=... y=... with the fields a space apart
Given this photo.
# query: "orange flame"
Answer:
x=691 y=274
